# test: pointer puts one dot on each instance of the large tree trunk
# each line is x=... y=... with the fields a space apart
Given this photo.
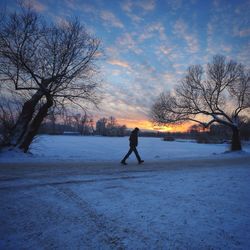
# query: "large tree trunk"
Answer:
x=24 y=118
x=34 y=126
x=236 y=142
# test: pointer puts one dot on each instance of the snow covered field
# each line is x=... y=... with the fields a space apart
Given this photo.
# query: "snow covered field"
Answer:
x=111 y=149
x=72 y=193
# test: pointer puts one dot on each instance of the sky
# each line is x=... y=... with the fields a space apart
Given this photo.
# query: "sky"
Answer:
x=148 y=44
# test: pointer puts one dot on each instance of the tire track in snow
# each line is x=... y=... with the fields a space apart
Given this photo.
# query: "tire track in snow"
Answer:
x=107 y=231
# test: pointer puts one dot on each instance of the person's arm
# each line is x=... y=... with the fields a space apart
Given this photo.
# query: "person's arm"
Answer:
x=136 y=140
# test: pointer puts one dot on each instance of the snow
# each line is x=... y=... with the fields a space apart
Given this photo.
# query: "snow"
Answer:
x=103 y=149
x=66 y=206
x=72 y=193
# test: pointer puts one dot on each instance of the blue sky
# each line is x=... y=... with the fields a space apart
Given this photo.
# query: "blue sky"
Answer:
x=149 y=44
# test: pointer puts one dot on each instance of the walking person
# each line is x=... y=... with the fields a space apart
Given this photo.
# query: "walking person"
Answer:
x=133 y=142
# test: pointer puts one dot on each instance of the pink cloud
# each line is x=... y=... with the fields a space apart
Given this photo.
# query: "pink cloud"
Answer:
x=120 y=63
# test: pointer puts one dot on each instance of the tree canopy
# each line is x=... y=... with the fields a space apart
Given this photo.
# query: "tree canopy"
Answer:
x=53 y=62
x=217 y=94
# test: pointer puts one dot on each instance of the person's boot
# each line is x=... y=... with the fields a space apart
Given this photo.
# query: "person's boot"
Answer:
x=123 y=163
x=141 y=161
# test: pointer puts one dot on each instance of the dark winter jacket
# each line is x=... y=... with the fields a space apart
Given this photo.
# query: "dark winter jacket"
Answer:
x=133 y=139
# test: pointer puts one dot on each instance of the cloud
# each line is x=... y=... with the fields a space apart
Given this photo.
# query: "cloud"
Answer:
x=61 y=21
x=88 y=8
x=192 y=42
x=165 y=50
x=146 y=5
x=120 y=63
x=243 y=54
x=71 y=4
x=112 y=51
x=156 y=28
x=127 y=42
x=181 y=30
x=121 y=101
x=228 y=30
x=175 y=4
x=116 y=72
x=243 y=32
x=37 y=6
x=132 y=96
x=169 y=78
x=135 y=18
x=110 y=18
x=137 y=9
x=127 y=6
x=107 y=17
x=226 y=48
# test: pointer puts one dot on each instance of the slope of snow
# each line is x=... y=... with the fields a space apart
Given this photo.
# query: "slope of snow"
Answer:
x=94 y=148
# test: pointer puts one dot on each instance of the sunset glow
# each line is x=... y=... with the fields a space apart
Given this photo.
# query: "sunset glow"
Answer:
x=147 y=125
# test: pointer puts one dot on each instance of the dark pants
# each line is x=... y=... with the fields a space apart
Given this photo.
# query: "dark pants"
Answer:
x=132 y=149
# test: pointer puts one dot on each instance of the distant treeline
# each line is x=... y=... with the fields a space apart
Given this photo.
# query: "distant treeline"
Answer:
x=84 y=125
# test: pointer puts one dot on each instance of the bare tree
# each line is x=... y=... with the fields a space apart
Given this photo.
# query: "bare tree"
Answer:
x=101 y=126
x=54 y=63
x=218 y=94
x=110 y=127
x=83 y=123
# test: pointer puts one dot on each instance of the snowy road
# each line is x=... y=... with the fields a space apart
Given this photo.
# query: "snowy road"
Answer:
x=191 y=204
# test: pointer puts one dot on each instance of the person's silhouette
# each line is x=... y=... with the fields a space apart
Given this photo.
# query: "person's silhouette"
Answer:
x=133 y=142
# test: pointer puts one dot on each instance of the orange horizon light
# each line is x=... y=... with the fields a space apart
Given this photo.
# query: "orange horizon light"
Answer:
x=147 y=125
